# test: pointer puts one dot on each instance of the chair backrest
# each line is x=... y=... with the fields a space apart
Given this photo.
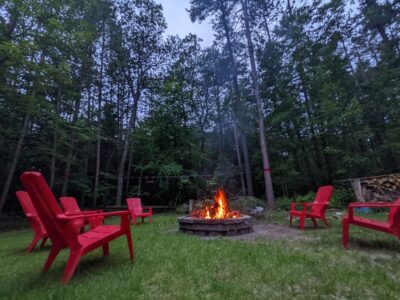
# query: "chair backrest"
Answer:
x=70 y=205
x=60 y=232
x=26 y=203
x=134 y=204
x=323 y=196
x=394 y=216
x=29 y=210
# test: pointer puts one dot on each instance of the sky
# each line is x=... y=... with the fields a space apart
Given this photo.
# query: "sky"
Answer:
x=179 y=22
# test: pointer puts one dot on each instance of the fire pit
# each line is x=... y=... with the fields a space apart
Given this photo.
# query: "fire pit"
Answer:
x=216 y=219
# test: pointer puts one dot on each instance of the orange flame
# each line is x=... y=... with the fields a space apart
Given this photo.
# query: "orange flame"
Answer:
x=219 y=210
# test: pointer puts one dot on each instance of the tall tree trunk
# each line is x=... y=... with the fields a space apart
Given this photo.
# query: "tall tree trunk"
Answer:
x=136 y=92
x=219 y=122
x=372 y=5
x=14 y=162
x=68 y=163
x=309 y=106
x=99 y=101
x=122 y=162
x=306 y=159
x=235 y=131
x=128 y=175
x=7 y=30
x=256 y=90
x=55 y=141
x=249 y=182
x=235 y=81
x=349 y=61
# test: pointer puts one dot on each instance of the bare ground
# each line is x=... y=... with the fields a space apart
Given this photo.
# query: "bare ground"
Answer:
x=272 y=232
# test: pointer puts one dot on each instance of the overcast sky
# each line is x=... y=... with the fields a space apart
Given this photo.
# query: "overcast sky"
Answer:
x=179 y=23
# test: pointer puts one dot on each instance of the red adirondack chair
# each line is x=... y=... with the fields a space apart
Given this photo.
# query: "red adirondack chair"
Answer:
x=391 y=226
x=61 y=229
x=71 y=207
x=137 y=211
x=314 y=210
x=32 y=216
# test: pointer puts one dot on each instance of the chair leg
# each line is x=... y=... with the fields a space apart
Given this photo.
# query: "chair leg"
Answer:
x=134 y=221
x=151 y=219
x=52 y=256
x=130 y=245
x=106 y=249
x=302 y=222
x=70 y=268
x=290 y=219
x=345 y=232
x=43 y=242
x=315 y=222
x=33 y=243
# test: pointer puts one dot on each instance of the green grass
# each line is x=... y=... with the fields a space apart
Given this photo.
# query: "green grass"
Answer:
x=172 y=265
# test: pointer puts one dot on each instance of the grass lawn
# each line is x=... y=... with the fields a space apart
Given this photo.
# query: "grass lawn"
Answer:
x=172 y=265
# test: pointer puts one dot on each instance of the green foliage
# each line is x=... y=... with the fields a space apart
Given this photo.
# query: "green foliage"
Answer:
x=246 y=203
x=89 y=71
x=341 y=197
x=284 y=202
x=182 y=209
x=171 y=169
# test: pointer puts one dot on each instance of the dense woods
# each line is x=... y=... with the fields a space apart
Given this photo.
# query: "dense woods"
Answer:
x=291 y=95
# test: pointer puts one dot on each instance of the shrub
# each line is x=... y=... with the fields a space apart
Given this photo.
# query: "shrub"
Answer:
x=183 y=209
x=246 y=203
x=284 y=202
x=341 y=197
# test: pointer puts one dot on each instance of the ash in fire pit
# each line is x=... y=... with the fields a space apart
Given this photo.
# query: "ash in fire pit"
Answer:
x=216 y=219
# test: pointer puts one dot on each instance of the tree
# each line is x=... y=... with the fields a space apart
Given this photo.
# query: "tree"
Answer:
x=142 y=23
x=256 y=90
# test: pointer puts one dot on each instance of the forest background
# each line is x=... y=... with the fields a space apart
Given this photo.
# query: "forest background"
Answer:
x=93 y=95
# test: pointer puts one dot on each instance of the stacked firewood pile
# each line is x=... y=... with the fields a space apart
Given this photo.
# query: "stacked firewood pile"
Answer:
x=380 y=188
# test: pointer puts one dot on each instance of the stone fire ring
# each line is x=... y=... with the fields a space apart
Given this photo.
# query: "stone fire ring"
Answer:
x=216 y=227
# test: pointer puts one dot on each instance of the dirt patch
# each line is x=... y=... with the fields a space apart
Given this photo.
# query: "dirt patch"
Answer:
x=272 y=232
x=267 y=232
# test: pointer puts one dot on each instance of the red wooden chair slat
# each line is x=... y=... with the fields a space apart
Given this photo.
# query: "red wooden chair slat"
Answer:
x=137 y=211
x=32 y=216
x=71 y=207
x=390 y=226
x=62 y=231
x=314 y=210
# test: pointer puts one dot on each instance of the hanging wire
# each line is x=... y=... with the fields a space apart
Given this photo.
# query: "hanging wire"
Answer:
x=192 y=176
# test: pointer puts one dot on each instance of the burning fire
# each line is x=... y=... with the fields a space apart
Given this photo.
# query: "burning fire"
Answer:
x=218 y=210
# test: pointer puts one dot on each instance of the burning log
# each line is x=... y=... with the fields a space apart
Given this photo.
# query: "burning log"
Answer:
x=215 y=218
x=218 y=210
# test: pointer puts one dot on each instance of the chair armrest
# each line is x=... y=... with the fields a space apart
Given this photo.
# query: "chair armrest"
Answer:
x=91 y=211
x=107 y=214
x=316 y=204
x=132 y=211
x=300 y=203
x=304 y=204
x=123 y=214
x=149 y=208
x=350 y=208
x=84 y=212
x=373 y=204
